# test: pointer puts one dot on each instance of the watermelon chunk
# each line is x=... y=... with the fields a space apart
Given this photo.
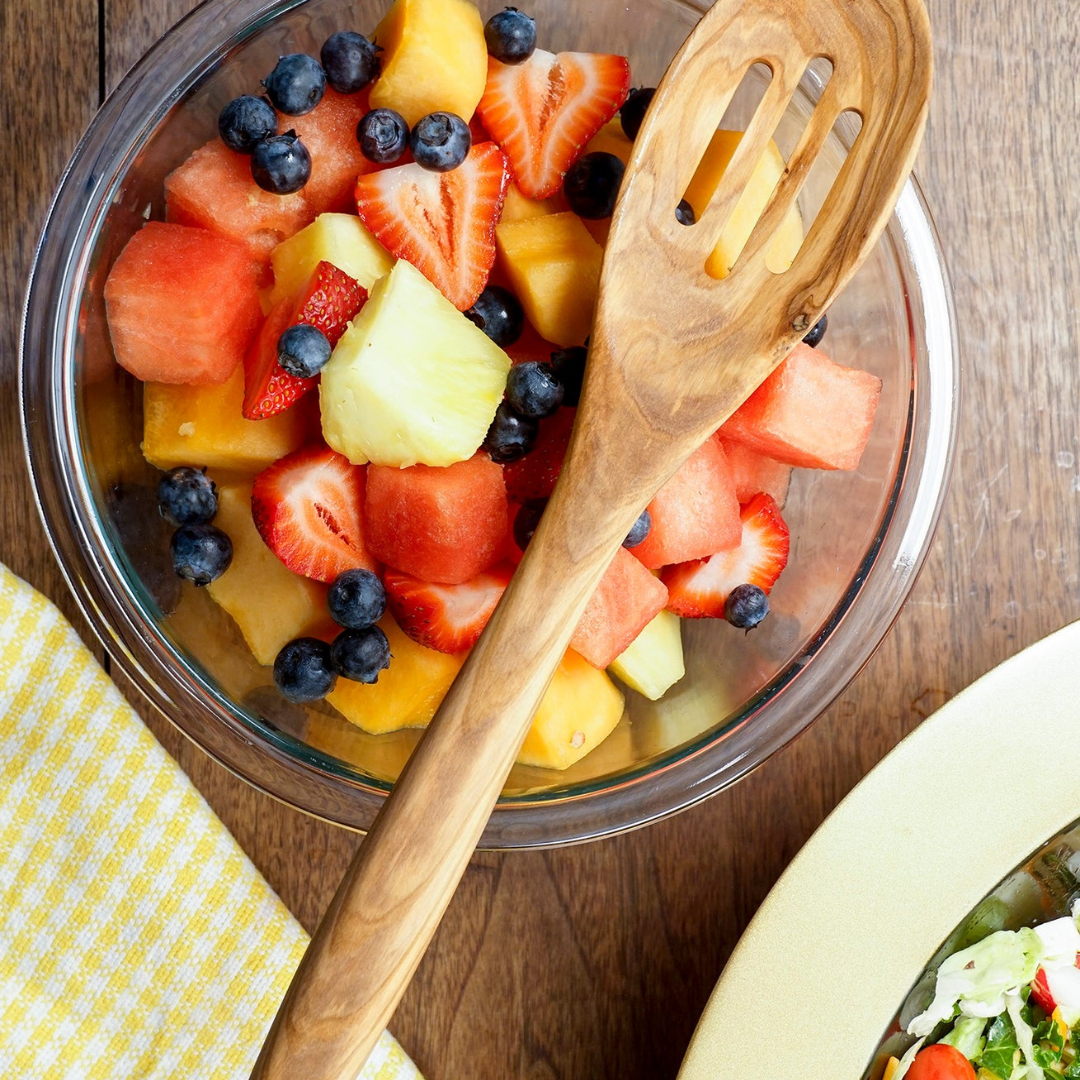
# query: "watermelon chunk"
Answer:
x=182 y=305
x=214 y=190
x=625 y=602
x=810 y=412
x=443 y=525
x=754 y=473
x=329 y=133
x=696 y=513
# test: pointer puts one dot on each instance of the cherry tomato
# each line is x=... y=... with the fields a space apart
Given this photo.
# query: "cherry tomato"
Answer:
x=940 y=1062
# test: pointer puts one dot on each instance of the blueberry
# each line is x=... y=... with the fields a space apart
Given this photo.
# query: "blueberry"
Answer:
x=684 y=213
x=349 y=60
x=527 y=520
x=200 y=553
x=303 y=350
x=246 y=120
x=817 y=332
x=296 y=85
x=639 y=530
x=511 y=435
x=281 y=164
x=360 y=654
x=440 y=141
x=633 y=110
x=592 y=184
x=533 y=390
x=356 y=599
x=510 y=36
x=187 y=496
x=499 y=314
x=746 y=606
x=383 y=135
x=303 y=670
x=569 y=367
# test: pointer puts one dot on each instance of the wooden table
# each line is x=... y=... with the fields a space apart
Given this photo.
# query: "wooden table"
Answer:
x=595 y=961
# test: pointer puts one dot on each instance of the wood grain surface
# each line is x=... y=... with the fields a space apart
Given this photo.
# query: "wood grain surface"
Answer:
x=594 y=962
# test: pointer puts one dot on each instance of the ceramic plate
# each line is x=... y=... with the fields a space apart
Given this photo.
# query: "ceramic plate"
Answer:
x=826 y=962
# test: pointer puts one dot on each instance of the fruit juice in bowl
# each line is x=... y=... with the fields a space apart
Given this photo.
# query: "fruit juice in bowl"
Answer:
x=417 y=478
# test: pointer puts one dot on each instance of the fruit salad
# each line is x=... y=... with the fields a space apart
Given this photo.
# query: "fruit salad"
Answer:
x=362 y=331
x=1007 y=1006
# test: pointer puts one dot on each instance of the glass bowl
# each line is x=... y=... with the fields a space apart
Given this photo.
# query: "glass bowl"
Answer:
x=858 y=539
x=1045 y=886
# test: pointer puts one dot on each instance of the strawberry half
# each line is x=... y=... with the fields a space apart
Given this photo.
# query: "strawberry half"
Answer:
x=308 y=508
x=698 y=589
x=330 y=299
x=533 y=476
x=442 y=223
x=542 y=112
x=448 y=618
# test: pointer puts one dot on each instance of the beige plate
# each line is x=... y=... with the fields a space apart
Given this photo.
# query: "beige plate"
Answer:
x=846 y=931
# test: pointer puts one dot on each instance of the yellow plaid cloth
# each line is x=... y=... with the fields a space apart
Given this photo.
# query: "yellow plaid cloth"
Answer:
x=136 y=938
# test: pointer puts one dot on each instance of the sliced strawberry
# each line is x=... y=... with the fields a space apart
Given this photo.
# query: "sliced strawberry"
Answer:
x=330 y=299
x=534 y=475
x=1040 y=992
x=542 y=112
x=442 y=223
x=308 y=508
x=448 y=618
x=698 y=589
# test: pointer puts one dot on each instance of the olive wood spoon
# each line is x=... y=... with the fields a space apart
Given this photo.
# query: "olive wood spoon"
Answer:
x=674 y=352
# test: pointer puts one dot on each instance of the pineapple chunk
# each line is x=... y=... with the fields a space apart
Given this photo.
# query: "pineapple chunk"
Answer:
x=554 y=266
x=434 y=58
x=340 y=239
x=580 y=709
x=407 y=693
x=412 y=381
x=653 y=662
x=204 y=425
x=269 y=603
x=768 y=170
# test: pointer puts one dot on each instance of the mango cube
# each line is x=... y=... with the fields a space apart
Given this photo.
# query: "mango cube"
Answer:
x=204 y=425
x=767 y=172
x=554 y=267
x=407 y=693
x=269 y=603
x=339 y=239
x=434 y=58
x=579 y=710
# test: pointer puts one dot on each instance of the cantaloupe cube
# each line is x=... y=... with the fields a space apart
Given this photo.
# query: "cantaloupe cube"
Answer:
x=269 y=603
x=611 y=139
x=204 y=425
x=407 y=693
x=434 y=58
x=770 y=167
x=580 y=709
x=518 y=206
x=554 y=267
x=340 y=239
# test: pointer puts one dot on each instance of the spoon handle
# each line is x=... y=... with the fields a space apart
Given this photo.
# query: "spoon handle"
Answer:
x=394 y=894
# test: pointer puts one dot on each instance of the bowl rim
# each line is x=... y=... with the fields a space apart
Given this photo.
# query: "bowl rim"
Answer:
x=298 y=775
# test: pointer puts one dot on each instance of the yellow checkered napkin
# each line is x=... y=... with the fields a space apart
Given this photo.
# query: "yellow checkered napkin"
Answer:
x=136 y=939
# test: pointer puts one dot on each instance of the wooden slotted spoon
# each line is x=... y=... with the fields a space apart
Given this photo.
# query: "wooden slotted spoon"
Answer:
x=674 y=352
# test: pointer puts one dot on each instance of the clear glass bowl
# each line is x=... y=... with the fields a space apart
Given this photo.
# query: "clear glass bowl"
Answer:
x=858 y=540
